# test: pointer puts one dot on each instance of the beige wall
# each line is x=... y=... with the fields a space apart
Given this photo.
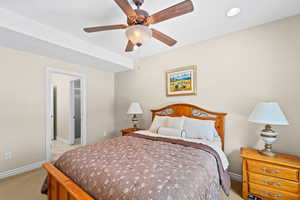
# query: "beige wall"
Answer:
x=234 y=73
x=63 y=98
x=23 y=109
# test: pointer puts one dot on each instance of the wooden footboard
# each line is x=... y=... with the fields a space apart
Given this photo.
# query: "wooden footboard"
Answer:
x=60 y=187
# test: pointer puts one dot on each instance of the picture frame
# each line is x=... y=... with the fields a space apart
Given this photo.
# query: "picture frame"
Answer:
x=181 y=81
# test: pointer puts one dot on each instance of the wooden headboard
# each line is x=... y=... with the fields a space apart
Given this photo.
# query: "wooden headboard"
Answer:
x=192 y=111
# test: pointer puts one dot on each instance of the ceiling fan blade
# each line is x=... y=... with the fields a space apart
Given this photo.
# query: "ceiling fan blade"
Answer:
x=104 y=28
x=171 y=12
x=163 y=37
x=126 y=7
x=129 y=46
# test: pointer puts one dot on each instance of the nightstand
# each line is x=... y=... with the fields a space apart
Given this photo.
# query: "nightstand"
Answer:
x=129 y=130
x=270 y=177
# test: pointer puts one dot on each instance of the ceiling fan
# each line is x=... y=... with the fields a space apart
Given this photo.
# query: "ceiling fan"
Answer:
x=138 y=22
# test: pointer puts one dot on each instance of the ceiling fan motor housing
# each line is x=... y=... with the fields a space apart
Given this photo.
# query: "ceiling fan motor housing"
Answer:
x=141 y=18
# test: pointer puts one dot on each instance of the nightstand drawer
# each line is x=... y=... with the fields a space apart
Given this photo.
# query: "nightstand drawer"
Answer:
x=276 y=183
x=273 y=170
x=271 y=193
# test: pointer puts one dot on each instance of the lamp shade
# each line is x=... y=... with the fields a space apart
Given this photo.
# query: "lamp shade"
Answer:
x=135 y=109
x=138 y=34
x=268 y=113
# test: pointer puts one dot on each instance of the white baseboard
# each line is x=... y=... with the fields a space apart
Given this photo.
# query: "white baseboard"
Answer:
x=20 y=170
x=63 y=140
x=235 y=177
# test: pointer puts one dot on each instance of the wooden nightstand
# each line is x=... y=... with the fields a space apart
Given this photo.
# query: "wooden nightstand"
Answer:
x=129 y=130
x=270 y=177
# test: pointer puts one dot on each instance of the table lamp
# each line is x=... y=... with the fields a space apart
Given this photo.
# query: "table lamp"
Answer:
x=135 y=109
x=268 y=113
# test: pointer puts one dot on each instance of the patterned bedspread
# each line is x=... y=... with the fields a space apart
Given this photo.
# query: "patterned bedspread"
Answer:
x=140 y=167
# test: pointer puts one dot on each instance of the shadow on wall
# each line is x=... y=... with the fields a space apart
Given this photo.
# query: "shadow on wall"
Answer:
x=250 y=139
x=233 y=155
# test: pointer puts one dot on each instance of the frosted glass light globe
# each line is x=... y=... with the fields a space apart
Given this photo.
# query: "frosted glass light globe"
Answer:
x=138 y=34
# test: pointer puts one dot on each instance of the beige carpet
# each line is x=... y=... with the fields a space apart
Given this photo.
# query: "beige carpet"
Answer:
x=58 y=148
x=27 y=187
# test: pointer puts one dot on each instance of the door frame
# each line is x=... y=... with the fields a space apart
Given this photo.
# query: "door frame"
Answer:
x=83 y=81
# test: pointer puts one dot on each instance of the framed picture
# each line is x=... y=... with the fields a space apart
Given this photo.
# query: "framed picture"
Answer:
x=181 y=81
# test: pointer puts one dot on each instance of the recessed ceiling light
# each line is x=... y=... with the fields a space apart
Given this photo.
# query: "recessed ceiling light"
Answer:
x=233 y=12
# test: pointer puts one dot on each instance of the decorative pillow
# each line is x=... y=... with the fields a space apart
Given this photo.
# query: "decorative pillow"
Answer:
x=177 y=132
x=159 y=121
x=175 y=122
x=199 y=129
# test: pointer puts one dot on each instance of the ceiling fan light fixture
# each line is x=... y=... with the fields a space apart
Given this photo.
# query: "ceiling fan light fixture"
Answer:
x=138 y=34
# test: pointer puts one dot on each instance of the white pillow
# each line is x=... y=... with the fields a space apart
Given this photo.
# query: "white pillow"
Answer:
x=175 y=122
x=202 y=129
x=166 y=121
x=176 y=132
x=159 y=121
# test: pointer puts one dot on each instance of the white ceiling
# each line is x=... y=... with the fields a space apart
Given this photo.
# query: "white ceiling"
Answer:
x=208 y=19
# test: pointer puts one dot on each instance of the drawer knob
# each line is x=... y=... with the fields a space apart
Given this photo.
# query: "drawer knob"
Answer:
x=271 y=183
x=272 y=195
x=276 y=171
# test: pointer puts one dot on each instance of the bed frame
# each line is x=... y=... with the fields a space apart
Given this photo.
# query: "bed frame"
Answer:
x=60 y=187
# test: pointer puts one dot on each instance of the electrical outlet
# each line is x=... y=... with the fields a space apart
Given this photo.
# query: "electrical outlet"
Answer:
x=7 y=156
x=104 y=133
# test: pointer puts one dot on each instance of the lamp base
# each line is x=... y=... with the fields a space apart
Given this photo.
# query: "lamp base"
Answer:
x=134 y=121
x=269 y=137
x=135 y=126
x=267 y=152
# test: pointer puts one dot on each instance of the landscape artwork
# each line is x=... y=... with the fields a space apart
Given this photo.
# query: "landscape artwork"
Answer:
x=181 y=81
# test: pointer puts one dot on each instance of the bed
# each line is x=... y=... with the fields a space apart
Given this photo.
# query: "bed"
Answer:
x=144 y=165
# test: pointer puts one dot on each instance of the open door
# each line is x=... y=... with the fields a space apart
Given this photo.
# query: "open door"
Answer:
x=75 y=112
x=52 y=112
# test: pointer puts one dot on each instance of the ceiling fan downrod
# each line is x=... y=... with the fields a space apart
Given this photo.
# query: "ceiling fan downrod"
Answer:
x=138 y=3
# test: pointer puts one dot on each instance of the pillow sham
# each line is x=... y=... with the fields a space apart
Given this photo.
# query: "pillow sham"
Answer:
x=175 y=122
x=166 y=121
x=200 y=129
x=176 y=132
x=159 y=121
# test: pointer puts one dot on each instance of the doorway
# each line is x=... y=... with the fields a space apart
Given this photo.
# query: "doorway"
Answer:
x=66 y=119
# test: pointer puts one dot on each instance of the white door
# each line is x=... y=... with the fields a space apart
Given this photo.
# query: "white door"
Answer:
x=77 y=110
x=72 y=112
x=75 y=118
x=52 y=110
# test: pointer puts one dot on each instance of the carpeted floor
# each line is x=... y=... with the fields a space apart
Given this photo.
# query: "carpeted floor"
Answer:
x=27 y=187
x=58 y=148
